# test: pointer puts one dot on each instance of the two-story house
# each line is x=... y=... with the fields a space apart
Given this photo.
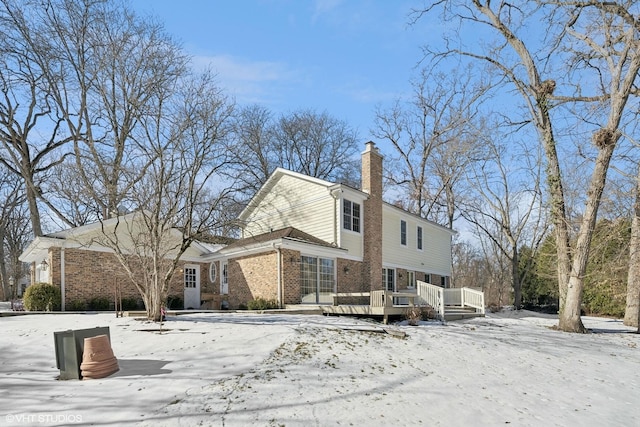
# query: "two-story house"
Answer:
x=304 y=239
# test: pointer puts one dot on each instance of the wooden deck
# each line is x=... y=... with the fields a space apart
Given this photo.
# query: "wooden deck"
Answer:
x=449 y=304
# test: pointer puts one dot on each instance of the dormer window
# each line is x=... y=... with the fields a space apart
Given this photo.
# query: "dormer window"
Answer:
x=351 y=216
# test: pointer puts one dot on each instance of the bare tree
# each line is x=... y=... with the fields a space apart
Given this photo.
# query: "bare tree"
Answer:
x=305 y=141
x=118 y=68
x=15 y=231
x=253 y=149
x=178 y=200
x=591 y=41
x=32 y=137
x=432 y=137
x=506 y=204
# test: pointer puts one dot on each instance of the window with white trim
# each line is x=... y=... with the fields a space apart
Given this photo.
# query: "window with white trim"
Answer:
x=351 y=215
x=190 y=277
x=317 y=279
x=389 y=279
x=403 y=232
x=411 y=279
x=419 y=237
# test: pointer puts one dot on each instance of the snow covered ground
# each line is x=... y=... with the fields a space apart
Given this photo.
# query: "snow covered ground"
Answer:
x=250 y=369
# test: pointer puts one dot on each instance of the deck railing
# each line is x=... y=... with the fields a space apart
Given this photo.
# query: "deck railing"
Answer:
x=473 y=298
x=432 y=295
x=438 y=297
x=377 y=299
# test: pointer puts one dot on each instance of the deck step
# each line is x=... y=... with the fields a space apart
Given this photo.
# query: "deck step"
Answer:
x=460 y=313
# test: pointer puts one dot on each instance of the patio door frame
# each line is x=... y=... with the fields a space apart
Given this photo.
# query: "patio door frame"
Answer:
x=318 y=280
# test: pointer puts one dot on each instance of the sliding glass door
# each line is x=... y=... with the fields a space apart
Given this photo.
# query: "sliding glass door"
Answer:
x=317 y=280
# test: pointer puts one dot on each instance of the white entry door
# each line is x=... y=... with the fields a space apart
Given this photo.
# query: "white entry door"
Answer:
x=191 y=287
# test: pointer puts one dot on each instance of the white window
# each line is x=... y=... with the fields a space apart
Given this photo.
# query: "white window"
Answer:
x=411 y=279
x=224 y=279
x=389 y=279
x=427 y=278
x=351 y=216
x=403 y=232
x=190 y=277
x=419 y=236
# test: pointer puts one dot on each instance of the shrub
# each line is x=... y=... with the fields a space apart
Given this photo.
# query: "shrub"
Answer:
x=77 y=305
x=413 y=315
x=42 y=297
x=99 y=303
x=130 y=303
x=175 y=302
x=417 y=313
x=262 y=304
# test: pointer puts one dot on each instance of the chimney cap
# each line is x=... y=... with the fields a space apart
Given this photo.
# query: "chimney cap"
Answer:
x=370 y=146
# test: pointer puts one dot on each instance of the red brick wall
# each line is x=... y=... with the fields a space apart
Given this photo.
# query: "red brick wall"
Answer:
x=256 y=276
x=291 y=276
x=251 y=277
x=89 y=274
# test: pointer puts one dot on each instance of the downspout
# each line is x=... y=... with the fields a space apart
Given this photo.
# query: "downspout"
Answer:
x=336 y=214
x=279 y=256
x=62 y=284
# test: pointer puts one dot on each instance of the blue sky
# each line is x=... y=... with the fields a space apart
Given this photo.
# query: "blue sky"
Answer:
x=339 y=56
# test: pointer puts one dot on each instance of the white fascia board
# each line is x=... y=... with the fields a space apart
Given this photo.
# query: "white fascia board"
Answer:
x=38 y=248
x=271 y=245
x=348 y=193
x=93 y=226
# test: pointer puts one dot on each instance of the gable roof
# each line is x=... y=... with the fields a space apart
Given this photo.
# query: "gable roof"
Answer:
x=71 y=237
x=288 y=233
x=269 y=184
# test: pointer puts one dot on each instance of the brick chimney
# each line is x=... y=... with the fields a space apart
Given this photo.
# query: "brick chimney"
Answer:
x=372 y=227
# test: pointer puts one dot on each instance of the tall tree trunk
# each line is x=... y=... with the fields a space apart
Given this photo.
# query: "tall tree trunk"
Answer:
x=570 y=320
x=558 y=209
x=632 y=311
x=4 y=289
x=517 y=284
x=34 y=212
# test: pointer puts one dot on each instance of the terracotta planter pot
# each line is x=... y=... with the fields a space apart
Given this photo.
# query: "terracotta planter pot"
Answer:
x=98 y=360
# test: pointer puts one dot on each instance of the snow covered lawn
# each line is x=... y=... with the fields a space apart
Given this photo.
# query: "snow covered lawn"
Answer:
x=301 y=370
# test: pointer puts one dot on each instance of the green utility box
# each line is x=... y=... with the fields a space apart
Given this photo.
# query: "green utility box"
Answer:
x=69 y=348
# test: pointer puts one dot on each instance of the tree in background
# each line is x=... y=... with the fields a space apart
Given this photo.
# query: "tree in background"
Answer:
x=118 y=69
x=32 y=133
x=632 y=310
x=505 y=203
x=433 y=139
x=583 y=41
x=14 y=232
x=304 y=141
x=177 y=199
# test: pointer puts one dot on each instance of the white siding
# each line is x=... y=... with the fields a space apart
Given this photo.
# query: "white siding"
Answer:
x=352 y=242
x=435 y=256
x=294 y=202
x=129 y=231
